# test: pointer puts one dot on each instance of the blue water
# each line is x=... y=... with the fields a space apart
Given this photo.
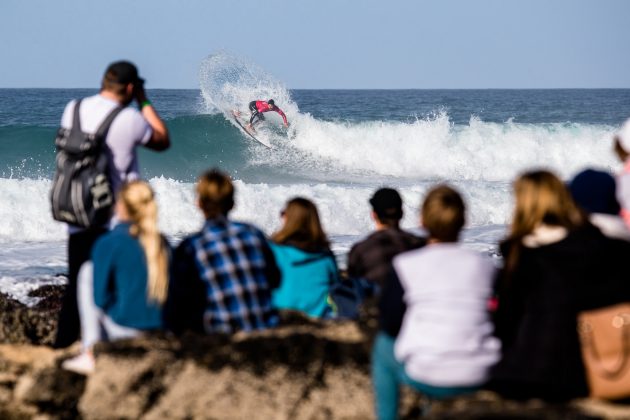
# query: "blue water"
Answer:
x=340 y=147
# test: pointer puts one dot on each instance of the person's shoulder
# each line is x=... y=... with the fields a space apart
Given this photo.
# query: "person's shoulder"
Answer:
x=412 y=240
x=375 y=238
x=67 y=116
x=130 y=115
x=286 y=251
x=407 y=239
x=407 y=257
x=189 y=240
x=113 y=238
x=246 y=227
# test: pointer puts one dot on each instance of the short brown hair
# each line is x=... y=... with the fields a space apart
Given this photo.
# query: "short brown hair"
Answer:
x=216 y=193
x=443 y=213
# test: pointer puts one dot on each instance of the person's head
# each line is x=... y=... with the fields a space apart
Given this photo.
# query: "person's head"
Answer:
x=271 y=103
x=443 y=214
x=136 y=205
x=594 y=191
x=121 y=79
x=301 y=226
x=387 y=207
x=215 y=194
x=622 y=142
x=542 y=198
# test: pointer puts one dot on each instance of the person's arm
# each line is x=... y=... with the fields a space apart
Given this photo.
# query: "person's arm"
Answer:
x=284 y=117
x=334 y=274
x=511 y=292
x=356 y=268
x=102 y=258
x=160 y=139
x=391 y=305
x=272 y=272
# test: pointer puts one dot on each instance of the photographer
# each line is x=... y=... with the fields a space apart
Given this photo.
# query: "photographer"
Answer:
x=130 y=128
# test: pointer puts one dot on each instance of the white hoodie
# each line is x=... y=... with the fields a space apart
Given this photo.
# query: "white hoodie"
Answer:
x=446 y=337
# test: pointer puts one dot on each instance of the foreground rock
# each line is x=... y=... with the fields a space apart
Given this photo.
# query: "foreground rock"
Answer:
x=303 y=370
x=21 y=324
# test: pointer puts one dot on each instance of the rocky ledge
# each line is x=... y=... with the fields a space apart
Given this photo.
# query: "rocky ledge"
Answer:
x=303 y=370
x=22 y=324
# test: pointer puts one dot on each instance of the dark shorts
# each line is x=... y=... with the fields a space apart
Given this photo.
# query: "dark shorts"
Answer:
x=256 y=116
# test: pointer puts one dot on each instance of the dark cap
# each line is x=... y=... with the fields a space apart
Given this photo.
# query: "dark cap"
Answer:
x=122 y=72
x=387 y=204
x=594 y=191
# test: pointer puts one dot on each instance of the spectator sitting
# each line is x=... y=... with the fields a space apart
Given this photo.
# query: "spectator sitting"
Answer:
x=556 y=265
x=594 y=192
x=371 y=258
x=223 y=275
x=121 y=291
x=307 y=265
x=445 y=346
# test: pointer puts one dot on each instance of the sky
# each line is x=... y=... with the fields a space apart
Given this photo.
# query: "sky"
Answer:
x=325 y=44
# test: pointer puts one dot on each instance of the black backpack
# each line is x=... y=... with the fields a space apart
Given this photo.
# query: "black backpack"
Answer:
x=81 y=193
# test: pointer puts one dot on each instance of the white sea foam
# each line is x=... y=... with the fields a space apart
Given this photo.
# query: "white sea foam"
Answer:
x=25 y=212
x=20 y=288
x=434 y=148
x=33 y=245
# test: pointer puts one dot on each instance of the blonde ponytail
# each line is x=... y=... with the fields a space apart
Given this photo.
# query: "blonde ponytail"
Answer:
x=138 y=198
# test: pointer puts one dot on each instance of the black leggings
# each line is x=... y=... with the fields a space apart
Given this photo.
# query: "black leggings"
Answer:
x=256 y=116
x=79 y=249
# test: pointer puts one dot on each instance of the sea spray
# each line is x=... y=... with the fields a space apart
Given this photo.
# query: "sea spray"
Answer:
x=25 y=211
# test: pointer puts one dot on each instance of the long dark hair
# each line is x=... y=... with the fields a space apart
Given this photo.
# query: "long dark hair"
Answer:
x=302 y=227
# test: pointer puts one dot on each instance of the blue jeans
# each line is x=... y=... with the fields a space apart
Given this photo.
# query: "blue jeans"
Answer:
x=96 y=325
x=388 y=374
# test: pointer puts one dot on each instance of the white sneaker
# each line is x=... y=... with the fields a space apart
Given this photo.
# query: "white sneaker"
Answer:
x=82 y=364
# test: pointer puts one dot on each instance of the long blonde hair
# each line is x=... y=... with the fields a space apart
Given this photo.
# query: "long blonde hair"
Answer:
x=138 y=199
x=541 y=198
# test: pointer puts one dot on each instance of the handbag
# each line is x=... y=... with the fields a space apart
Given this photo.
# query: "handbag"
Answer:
x=605 y=341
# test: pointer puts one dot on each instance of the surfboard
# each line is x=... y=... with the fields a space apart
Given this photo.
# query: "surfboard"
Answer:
x=236 y=116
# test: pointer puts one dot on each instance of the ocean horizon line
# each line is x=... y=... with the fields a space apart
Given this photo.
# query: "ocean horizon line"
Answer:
x=353 y=89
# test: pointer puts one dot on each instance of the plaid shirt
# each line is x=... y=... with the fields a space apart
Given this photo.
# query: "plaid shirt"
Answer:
x=229 y=264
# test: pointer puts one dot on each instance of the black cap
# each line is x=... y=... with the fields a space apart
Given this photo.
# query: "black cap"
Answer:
x=594 y=191
x=387 y=204
x=123 y=72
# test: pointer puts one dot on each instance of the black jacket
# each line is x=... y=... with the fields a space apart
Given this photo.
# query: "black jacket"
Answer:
x=538 y=307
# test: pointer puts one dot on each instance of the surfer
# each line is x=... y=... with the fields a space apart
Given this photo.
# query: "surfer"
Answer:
x=259 y=107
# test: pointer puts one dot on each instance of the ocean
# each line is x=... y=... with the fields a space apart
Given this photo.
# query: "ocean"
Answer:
x=340 y=147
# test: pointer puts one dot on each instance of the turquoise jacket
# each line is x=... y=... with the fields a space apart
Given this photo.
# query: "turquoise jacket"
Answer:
x=306 y=280
x=120 y=281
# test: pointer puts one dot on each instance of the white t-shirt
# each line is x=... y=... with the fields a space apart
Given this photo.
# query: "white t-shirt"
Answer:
x=128 y=130
x=446 y=335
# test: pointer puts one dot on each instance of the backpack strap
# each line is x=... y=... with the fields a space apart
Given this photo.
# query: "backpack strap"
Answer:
x=104 y=127
x=76 y=121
